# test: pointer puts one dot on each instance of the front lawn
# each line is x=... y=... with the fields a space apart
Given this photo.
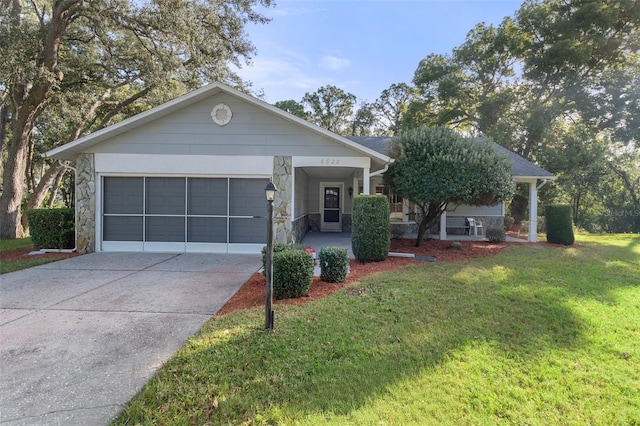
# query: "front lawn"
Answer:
x=535 y=335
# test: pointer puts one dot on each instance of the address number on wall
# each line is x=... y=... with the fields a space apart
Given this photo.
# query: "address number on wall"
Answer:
x=330 y=161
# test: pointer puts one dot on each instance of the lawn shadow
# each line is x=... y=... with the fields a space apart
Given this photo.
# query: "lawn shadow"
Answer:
x=334 y=356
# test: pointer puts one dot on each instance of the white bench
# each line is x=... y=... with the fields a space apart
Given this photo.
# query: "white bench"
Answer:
x=458 y=222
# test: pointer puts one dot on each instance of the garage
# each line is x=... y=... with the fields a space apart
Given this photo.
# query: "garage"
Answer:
x=183 y=214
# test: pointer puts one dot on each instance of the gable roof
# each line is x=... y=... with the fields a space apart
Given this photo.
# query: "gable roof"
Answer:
x=71 y=149
x=522 y=168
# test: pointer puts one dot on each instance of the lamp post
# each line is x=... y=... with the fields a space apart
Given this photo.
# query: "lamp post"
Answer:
x=270 y=193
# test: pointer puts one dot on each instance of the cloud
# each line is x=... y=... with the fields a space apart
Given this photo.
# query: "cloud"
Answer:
x=283 y=74
x=334 y=63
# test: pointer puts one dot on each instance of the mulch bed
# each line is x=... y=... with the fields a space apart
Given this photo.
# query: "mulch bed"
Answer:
x=23 y=254
x=252 y=293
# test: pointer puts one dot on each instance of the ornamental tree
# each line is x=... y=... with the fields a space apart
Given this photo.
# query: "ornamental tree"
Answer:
x=437 y=166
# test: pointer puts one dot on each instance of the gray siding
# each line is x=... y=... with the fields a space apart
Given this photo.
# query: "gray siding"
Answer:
x=472 y=211
x=252 y=131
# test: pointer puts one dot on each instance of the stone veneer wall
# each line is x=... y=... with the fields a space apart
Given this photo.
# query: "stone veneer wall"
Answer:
x=283 y=180
x=85 y=203
x=300 y=228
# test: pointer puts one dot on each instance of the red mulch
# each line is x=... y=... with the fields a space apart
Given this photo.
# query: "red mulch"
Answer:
x=23 y=254
x=252 y=293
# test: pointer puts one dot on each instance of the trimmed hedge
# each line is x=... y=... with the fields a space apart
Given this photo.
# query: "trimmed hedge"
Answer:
x=52 y=228
x=292 y=273
x=496 y=235
x=334 y=264
x=559 y=224
x=277 y=248
x=370 y=234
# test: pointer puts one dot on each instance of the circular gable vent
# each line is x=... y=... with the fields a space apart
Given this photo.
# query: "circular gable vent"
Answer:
x=221 y=114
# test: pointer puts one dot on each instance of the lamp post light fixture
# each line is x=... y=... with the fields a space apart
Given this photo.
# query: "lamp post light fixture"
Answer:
x=270 y=193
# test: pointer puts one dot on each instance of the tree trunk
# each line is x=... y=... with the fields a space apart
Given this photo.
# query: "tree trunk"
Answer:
x=5 y=121
x=31 y=97
x=430 y=214
x=40 y=192
x=13 y=184
x=54 y=188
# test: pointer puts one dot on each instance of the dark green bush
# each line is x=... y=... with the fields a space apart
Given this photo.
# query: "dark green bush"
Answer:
x=559 y=224
x=334 y=264
x=292 y=273
x=277 y=248
x=52 y=228
x=370 y=235
x=496 y=235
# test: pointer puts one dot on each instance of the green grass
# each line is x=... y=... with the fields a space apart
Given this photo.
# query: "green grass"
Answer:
x=7 y=265
x=536 y=335
x=6 y=245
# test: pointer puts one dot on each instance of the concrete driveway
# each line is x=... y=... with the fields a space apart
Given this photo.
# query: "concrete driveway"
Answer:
x=80 y=337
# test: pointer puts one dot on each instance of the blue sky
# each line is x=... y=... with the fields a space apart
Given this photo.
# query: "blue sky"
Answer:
x=361 y=46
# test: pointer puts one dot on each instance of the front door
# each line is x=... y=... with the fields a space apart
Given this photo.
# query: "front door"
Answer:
x=331 y=207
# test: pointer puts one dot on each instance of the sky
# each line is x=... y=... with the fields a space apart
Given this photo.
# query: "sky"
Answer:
x=361 y=46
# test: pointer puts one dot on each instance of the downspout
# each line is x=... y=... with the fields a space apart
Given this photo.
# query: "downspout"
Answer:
x=75 y=215
x=380 y=172
x=544 y=181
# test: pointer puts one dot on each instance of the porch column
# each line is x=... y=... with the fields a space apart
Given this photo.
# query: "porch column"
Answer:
x=85 y=203
x=282 y=205
x=355 y=185
x=533 y=212
x=366 y=181
x=443 y=226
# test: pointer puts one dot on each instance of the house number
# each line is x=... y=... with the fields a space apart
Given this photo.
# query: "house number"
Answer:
x=329 y=161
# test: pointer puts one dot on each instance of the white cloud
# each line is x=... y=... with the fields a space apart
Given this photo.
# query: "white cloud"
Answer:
x=284 y=74
x=334 y=63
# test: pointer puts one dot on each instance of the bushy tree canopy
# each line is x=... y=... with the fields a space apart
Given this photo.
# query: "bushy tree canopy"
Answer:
x=437 y=166
x=71 y=66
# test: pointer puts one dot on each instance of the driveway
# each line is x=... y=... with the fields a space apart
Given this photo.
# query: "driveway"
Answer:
x=80 y=337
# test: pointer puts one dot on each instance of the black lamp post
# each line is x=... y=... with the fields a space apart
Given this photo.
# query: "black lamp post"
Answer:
x=270 y=193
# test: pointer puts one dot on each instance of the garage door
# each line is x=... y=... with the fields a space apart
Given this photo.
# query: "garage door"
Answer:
x=183 y=214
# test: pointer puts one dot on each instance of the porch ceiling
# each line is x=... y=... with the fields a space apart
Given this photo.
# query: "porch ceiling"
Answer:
x=329 y=172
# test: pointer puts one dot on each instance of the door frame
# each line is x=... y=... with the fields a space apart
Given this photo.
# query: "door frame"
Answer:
x=337 y=227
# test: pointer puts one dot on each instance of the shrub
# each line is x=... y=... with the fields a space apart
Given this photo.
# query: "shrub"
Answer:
x=334 y=264
x=559 y=224
x=508 y=222
x=292 y=273
x=370 y=235
x=52 y=228
x=496 y=235
x=277 y=248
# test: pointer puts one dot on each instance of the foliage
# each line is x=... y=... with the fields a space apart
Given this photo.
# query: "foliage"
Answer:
x=437 y=166
x=277 y=248
x=544 y=341
x=292 y=273
x=370 y=233
x=292 y=107
x=557 y=83
x=559 y=225
x=496 y=235
x=70 y=67
x=52 y=228
x=334 y=264
x=508 y=222
x=330 y=107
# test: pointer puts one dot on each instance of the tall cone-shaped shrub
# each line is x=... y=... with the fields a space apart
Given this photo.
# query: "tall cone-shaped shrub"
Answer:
x=557 y=219
x=370 y=235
